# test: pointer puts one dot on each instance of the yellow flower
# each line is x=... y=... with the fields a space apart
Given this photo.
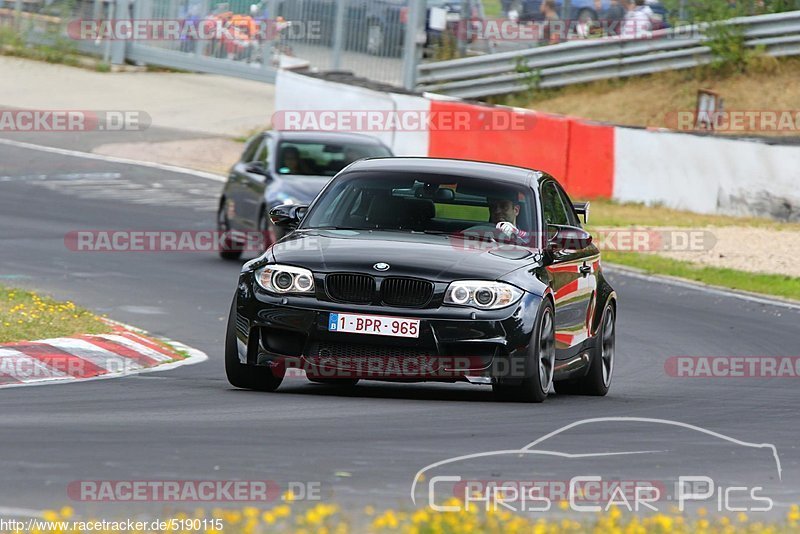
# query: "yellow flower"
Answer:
x=282 y=511
x=50 y=515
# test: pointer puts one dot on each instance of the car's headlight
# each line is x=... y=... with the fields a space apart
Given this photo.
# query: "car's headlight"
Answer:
x=285 y=279
x=481 y=294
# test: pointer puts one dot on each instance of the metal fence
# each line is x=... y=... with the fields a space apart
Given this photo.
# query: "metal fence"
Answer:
x=590 y=60
x=376 y=39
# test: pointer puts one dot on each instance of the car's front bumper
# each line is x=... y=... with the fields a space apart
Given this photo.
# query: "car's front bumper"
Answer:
x=454 y=343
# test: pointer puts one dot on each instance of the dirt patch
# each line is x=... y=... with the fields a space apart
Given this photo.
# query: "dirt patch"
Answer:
x=214 y=155
x=755 y=250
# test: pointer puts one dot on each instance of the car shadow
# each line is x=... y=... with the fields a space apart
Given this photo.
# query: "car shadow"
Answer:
x=428 y=391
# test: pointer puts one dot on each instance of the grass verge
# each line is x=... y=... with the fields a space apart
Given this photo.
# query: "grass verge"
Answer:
x=766 y=284
x=654 y=100
x=25 y=316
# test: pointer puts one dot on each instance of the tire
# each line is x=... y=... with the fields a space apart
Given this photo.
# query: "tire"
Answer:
x=539 y=365
x=343 y=382
x=241 y=375
x=229 y=250
x=597 y=380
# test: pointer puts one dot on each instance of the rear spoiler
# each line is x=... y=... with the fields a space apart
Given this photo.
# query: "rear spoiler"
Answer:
x=582 y=208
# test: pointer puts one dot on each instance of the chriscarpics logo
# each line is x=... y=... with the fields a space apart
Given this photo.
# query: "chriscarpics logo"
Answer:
x=631 y=463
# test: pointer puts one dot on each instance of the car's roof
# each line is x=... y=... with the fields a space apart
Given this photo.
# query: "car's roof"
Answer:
x=468 y=169
x=326 y=137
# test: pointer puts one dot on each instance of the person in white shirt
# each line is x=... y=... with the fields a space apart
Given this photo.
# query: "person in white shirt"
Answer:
x=637 y=23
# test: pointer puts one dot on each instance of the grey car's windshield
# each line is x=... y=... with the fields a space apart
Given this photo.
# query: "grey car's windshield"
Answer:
x=322 y=159
x=420 y=203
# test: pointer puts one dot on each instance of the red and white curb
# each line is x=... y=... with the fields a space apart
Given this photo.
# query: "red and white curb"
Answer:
x=124 y=352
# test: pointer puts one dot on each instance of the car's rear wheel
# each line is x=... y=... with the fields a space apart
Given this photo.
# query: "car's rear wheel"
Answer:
x=229 y=249
x=539 y=365
x=598 y=380
x=241 y=375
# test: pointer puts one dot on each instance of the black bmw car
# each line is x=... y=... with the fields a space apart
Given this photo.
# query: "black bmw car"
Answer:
x=283 y=167
x=415 y=269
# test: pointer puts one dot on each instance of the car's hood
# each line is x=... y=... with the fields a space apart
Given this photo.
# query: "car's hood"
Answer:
x=302 y=189
x=433 y=257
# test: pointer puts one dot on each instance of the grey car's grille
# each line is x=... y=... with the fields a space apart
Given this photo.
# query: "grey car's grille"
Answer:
x=355 y=288
x=406 y=292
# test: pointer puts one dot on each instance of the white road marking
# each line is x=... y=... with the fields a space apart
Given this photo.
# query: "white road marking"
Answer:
x=113 y=159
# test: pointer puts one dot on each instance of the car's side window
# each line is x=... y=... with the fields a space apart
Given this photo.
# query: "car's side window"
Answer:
x=553 y=205
x=263 y=152
x=572 y=217
x=250 y=150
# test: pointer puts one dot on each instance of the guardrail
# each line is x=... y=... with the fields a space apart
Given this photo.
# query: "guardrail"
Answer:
x=590 y=60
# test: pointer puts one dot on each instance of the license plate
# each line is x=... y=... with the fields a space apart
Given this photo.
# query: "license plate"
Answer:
x=379 y=325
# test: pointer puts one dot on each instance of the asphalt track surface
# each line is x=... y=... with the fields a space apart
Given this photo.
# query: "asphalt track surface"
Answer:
x=363 y=446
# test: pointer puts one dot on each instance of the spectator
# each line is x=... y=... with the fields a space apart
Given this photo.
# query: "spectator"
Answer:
x=614 y=16
x=551 y=26
x=637 y=24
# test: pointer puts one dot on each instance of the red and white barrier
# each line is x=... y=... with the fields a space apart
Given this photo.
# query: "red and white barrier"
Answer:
x=592 y=160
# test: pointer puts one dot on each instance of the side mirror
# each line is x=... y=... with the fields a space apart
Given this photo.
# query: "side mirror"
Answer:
x=287 y=215
x=567 y=237
x=256 y=167
x=582 y=209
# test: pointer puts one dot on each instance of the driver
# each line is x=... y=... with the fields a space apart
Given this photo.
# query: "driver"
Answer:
x=503 y=212
x=291 y=161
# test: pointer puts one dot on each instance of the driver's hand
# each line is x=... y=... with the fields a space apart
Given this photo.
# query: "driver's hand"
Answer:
x=507 y=228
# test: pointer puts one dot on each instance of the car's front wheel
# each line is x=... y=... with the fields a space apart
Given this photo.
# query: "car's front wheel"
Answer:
x=539 y=364
x=598 y=380
x=241 y=375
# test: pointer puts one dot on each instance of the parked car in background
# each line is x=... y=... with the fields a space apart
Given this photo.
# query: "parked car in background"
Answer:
x=283 y=167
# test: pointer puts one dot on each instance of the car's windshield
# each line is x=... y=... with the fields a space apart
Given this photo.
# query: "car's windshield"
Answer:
x=323 y=159
x=420 y=203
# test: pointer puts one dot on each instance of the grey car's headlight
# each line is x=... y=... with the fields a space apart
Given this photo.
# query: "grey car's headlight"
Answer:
x=482 y=294
x=285 y=279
